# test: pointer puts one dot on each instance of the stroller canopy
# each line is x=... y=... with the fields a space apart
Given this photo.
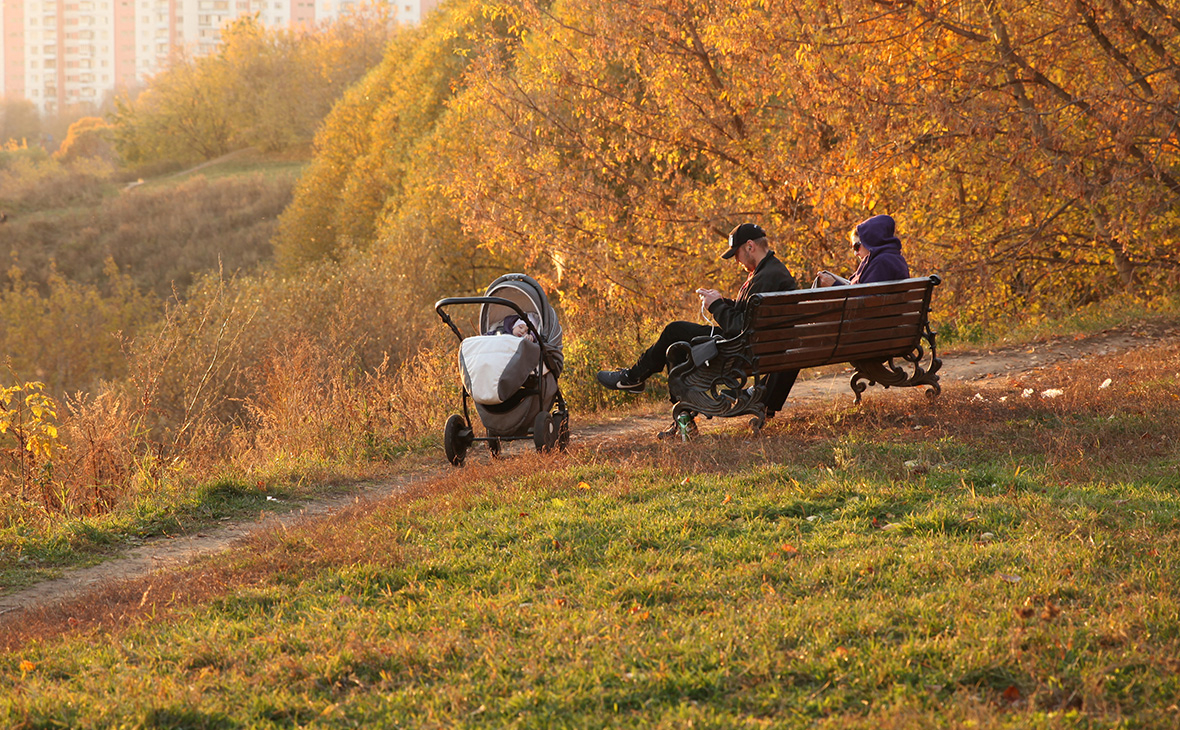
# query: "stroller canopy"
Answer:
x=526 y=293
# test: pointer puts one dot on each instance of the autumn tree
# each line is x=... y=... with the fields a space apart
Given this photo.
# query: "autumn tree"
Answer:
x=383 y=158
x=1027 y=150
x=88 y=138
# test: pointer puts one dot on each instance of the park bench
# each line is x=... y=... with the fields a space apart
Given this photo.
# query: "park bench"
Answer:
x=870 y=326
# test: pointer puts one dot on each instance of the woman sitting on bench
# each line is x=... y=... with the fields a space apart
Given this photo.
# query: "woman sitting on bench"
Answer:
x=879 y=252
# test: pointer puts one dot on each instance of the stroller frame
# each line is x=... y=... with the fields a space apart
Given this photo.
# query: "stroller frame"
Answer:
x=548 y=430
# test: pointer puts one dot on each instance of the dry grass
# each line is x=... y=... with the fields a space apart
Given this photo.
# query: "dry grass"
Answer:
x=163 y=237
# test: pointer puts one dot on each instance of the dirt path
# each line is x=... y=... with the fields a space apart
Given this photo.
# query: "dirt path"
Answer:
x=165 y=553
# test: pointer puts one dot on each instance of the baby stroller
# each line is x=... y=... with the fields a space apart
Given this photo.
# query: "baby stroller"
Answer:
x=512 y=380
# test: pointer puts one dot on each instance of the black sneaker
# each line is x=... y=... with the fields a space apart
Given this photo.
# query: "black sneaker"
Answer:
x=619 y=380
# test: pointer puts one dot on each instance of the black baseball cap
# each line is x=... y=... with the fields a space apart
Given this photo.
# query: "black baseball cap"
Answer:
x=739 y=236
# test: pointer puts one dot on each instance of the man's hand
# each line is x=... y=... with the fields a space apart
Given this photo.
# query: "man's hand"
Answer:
x=708 y=296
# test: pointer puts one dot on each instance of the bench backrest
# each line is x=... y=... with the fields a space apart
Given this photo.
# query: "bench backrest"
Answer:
x=810 y=327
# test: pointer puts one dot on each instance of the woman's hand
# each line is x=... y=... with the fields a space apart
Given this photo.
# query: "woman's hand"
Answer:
x=825 y=279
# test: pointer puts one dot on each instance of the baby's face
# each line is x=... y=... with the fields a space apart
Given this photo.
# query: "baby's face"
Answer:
x=520 y=329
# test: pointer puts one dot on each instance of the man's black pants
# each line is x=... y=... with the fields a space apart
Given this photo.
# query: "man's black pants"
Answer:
x=655 y=359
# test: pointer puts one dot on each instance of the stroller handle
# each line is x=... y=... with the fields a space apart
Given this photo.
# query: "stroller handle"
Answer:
x=441 y=304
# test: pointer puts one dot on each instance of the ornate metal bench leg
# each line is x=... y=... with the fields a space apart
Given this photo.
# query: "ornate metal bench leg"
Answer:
x=889 y=374
x=669 y=433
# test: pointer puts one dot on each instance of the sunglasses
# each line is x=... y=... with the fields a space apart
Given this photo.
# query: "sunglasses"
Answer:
x=856 y=245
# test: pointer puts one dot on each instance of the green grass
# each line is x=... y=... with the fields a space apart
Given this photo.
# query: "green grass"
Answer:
x=33 y=550
x=850 y=569
x=244 y=162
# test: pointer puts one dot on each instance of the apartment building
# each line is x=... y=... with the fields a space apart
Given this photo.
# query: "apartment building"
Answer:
x=63 y=54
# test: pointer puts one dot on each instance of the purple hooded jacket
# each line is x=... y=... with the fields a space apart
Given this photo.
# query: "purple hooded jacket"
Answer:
x=884 y=262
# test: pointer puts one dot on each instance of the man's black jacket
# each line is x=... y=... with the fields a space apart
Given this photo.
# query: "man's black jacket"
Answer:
x=770 y=275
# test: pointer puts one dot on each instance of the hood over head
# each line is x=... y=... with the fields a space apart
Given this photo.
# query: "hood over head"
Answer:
x=877 y=234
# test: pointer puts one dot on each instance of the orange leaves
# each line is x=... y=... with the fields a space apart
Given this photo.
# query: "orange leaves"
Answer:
x=639 y=613
x=786 y=551
x=1043 y=608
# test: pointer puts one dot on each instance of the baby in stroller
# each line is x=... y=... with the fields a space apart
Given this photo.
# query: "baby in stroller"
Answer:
x=514 y=325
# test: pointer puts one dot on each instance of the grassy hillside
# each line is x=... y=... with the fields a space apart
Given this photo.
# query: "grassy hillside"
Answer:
x=162 y=232
x=1005 y=557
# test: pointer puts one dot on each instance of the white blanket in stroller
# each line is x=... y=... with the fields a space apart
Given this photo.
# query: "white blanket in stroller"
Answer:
x=494 y=367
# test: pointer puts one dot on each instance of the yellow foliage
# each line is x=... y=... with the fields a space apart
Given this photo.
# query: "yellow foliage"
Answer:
x=28 y=418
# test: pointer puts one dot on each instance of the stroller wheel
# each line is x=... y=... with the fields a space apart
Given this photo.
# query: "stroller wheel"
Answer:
x=456 y=438
x=562 y=420
x=494 y=447
x=544 y=432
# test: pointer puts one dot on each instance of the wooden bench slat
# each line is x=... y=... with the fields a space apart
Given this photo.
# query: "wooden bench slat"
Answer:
x=770 y=314
x=840 y=292
x=811 y=356
x=797 y=361
x=819 y=329
x=877 y=348
x=766 y=344
x=883 y=317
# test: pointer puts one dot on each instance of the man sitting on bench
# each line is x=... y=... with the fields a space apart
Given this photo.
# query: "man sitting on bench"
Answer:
x=749 y=246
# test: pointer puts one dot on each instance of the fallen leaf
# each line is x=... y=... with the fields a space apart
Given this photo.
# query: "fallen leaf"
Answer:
x=583 y=485
x=1105 y=384
x=684 y=481
x=891 y=526
x=727 y=499
x=26 y=666
x=789 y=550
x=1026 y=393
x=1010 y=578
x=1052 y=393
x=1012 y=694
x=987 y=537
